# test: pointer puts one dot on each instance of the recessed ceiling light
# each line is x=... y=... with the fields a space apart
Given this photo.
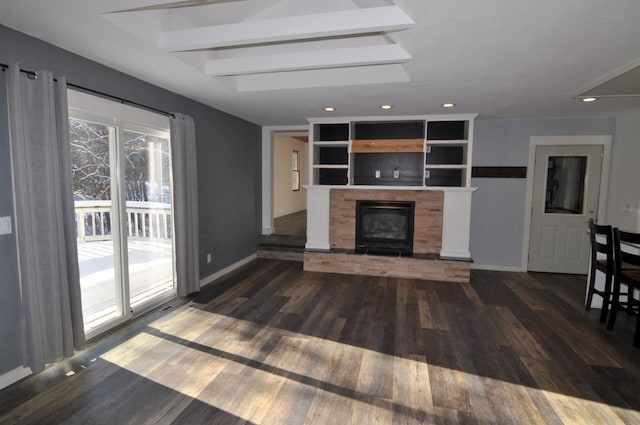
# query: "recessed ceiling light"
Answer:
x=589 y=99
x=448 y=105
x=386 y=107
x=329 y=109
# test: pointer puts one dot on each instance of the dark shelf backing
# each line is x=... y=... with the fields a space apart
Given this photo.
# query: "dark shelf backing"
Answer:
x=328 y=176
x=446 y=155
x=332 y=155
x=331 y=132
x=407 y=166
x=447 y=130
x=444 y=177
x=388 y=130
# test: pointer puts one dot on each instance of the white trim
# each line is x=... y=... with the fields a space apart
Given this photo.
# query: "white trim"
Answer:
x=535 y=141
x=320 y=247
x=14 y=376
x=603 y=79
x=496 y=268
x=267 y=171
x=212 y=277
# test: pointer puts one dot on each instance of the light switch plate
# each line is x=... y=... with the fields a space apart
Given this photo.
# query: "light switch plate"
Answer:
x=377 y=174
x=5 y=225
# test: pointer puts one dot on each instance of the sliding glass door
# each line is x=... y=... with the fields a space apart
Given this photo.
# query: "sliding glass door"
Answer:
x=148 y=211
x=122 y=188
x=92 y=165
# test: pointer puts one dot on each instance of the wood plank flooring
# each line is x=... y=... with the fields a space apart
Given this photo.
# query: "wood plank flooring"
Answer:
x=292 y=224
x=271 y=344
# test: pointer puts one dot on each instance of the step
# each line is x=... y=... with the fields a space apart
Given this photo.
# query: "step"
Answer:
x=284 y=240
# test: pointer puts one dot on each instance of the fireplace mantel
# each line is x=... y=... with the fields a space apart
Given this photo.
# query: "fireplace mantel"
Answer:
x=456 y=216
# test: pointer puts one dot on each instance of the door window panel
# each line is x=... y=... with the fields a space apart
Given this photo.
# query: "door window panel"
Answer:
x=149 y=218
x=91 y=165
x=565 y=185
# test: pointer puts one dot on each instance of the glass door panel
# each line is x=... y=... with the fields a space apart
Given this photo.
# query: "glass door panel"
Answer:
x=91 y=158
x=565 y=185
x=148 y=216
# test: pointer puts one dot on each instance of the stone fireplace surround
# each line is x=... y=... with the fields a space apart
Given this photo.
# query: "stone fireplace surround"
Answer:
x=427 y=233
x=441 y=233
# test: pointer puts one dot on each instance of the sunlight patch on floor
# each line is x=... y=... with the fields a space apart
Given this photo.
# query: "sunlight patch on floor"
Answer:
x=260 y=373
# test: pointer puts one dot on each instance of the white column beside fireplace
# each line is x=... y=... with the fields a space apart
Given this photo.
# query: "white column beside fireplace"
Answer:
x=456 y=223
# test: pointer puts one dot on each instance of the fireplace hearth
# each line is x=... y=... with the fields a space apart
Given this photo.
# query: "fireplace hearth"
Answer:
x=385 y=227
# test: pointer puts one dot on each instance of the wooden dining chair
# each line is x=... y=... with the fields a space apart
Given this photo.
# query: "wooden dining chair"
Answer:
x=601 y=243
x=626 y=251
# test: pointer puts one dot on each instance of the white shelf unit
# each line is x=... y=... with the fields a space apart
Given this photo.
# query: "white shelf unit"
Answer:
x=330 y=152
x=448 y=152
x=446 y=160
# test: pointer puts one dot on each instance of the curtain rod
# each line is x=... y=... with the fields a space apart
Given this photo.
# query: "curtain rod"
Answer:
x=33 y=75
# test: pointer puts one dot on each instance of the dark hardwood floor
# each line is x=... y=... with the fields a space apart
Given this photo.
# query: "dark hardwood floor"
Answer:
x=291 y=224
x=271 y=344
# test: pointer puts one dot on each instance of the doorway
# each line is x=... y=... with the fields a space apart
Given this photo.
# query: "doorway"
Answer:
x=565 y=195
x=290 y=172
x=122 y=183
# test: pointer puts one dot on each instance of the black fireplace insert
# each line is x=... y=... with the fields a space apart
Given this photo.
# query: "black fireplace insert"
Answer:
x=385 y=227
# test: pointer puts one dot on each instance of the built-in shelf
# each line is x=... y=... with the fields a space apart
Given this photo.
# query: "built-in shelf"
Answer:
x=336 y=143
x=387 y=146
x=418 y=151
x=447 y=166
x=447 y=142
x=332 y=166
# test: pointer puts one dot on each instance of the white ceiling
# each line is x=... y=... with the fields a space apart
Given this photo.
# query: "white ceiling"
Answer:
x=277 y=62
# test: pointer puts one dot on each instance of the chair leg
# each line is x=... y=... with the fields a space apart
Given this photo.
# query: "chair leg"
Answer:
x=592 y=282
x=631 y=291
x=614 y=307
x=606 y=298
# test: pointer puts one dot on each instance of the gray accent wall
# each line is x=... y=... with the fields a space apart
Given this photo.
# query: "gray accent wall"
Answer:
x=497 y=209
x=229 y=168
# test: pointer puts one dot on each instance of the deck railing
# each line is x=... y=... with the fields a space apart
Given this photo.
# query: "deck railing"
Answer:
x=145 y=221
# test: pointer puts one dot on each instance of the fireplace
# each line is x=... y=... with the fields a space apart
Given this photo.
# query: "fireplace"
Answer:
x=384 y=227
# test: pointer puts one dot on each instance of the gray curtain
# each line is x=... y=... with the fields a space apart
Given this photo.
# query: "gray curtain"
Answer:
x=185 y=203
x=45 y=224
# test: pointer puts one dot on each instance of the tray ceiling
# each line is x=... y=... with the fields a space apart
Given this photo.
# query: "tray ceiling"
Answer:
x=280 y=61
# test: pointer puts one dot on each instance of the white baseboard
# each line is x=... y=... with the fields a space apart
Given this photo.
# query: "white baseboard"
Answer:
x=267 y=230
x=207 y=280
x=496 y=268
x=14 y=376
x=317 y=247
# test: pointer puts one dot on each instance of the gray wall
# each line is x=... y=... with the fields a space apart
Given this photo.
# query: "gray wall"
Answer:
x=497 y=212
x=9 y=290
x=229 y=168
x=624 y=184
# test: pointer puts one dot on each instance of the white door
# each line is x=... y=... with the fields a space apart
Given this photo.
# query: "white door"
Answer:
x=566 y=188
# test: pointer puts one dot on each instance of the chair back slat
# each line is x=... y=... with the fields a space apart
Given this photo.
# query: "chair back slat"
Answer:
x=597 y=245
x=626 y=251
